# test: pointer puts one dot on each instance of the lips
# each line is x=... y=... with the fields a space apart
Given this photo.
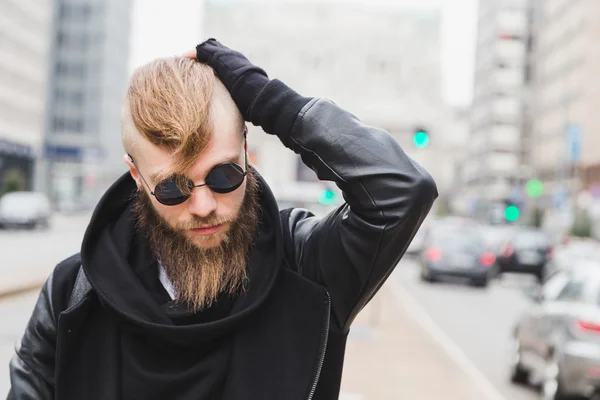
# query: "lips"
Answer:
x=208 y=230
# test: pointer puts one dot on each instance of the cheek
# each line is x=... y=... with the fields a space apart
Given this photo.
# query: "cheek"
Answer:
x=231 y=203
x=170 y=214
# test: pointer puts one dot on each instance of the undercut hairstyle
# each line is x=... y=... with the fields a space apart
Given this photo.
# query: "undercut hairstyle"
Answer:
x=168 y=103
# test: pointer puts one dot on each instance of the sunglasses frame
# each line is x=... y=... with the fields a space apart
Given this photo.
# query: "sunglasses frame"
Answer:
x=192 y=187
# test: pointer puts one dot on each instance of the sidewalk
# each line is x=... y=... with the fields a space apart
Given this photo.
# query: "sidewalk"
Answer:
x=27 y=257
x=390 y=356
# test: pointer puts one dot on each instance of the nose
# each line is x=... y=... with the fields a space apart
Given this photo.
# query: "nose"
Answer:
x=202 y=202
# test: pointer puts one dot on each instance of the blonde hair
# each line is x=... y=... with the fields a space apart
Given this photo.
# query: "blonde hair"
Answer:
x=168 y=103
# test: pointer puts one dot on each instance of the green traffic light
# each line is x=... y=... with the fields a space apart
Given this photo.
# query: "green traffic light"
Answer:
x=534 y=188
x=327 y=197
x=421 y=139
x=511 y=213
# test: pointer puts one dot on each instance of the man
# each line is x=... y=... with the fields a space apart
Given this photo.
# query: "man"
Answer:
x=191 y=283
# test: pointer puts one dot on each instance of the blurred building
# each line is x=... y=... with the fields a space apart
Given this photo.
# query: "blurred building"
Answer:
x=24 y=46
x=498 y=147
x=381 y=62
x=566 y=135
x=88 y=78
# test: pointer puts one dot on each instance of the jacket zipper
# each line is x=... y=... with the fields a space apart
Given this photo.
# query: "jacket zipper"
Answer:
x=323 y=347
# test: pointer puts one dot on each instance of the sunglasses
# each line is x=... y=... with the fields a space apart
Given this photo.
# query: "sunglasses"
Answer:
x=222 y=178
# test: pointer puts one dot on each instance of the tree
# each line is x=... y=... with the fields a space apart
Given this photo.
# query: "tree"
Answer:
x=14 y=180
x=582 y=224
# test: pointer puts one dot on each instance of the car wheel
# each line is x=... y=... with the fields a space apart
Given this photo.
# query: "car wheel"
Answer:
x=517 y=373
x=480 y=283
x=44 y=223
x=540 y=275
x=551 y=387
x=426 y=276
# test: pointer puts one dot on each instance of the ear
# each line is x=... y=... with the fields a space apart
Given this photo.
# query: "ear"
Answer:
x=132 y=170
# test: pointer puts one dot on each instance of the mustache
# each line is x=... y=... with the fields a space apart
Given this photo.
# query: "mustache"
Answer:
x=199 y=222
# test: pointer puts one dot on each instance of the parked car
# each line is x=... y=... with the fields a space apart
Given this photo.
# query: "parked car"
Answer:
x=526 y=251
x=456 y=252
x=556 y=343
x=25 y=209
x=495 y=236
x=574 y=251
x=416 y=245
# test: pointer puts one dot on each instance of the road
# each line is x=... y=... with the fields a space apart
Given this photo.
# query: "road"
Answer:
x=477 y=321
x=28 y=255
x=31 y=254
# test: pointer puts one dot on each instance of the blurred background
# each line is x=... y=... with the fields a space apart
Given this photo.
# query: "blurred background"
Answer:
x=496 y=98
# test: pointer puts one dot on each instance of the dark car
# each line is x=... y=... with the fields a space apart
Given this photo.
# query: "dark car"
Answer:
x=556 y=343
x=527 y=251
x=456 y=252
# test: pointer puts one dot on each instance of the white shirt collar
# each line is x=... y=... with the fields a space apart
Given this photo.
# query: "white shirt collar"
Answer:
x=164 y=280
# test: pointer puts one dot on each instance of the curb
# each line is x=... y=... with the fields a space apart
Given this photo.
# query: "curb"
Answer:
x=7 y=293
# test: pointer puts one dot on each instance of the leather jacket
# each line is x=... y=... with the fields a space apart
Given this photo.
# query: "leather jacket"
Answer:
x=350 y=252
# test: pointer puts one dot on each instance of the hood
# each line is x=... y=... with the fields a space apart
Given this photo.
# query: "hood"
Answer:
x=113 y=250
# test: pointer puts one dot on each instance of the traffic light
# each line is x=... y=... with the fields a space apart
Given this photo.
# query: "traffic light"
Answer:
x=511 y=212
x=327 y=197
x=420 y=138
x=534 y=188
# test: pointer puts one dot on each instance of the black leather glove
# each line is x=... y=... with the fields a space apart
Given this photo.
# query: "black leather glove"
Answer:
x=243 y=80
x=264 y=102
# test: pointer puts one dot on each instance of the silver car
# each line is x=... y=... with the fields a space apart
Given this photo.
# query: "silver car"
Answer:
x=557 y=342
x=25 y=209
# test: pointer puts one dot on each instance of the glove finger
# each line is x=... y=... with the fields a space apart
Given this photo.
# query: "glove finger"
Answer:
x=206 y=49
x=212 y=49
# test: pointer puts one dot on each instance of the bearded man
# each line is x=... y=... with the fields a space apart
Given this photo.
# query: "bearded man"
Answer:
x=191 y=283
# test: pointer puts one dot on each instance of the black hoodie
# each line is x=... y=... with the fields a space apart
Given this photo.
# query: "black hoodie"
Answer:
x=149 y=347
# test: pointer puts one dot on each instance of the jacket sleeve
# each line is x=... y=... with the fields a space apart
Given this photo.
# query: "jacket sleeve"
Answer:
x=32 y=366
x=387 y=195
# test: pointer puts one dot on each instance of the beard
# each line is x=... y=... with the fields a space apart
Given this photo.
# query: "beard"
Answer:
x=199 y=275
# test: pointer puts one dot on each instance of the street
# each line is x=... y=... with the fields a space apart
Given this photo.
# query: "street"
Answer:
x=476 y=322
x=28 y=255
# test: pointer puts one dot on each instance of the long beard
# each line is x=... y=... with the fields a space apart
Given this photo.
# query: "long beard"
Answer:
x=200 y=275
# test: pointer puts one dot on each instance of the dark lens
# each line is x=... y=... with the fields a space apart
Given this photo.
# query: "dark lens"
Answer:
x=225 y=178
x=168 y=193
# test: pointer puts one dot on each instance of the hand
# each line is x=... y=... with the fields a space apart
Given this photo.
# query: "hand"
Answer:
x=243 y=80
x=190 y=54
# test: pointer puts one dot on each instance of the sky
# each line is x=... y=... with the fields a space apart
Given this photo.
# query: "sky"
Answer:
x=167 y=28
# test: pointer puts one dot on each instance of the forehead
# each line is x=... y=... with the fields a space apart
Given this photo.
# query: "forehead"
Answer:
x=225 y=145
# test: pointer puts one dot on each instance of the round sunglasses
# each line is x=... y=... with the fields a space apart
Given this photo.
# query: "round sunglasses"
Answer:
x=222 y=178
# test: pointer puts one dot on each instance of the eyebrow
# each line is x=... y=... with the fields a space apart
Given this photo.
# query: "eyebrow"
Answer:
x=160 y=176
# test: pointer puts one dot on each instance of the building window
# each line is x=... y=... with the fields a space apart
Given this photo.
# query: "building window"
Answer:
x=63 y=13
x=58 y=124
x=60 y=69
x=77 y=125
x=77 y=98
x=60 y=39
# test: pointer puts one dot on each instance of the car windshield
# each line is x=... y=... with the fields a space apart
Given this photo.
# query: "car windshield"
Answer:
x=531 y=240
x=493 y=237
x=457 y=240
x=582 y=251
x=19 y=201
